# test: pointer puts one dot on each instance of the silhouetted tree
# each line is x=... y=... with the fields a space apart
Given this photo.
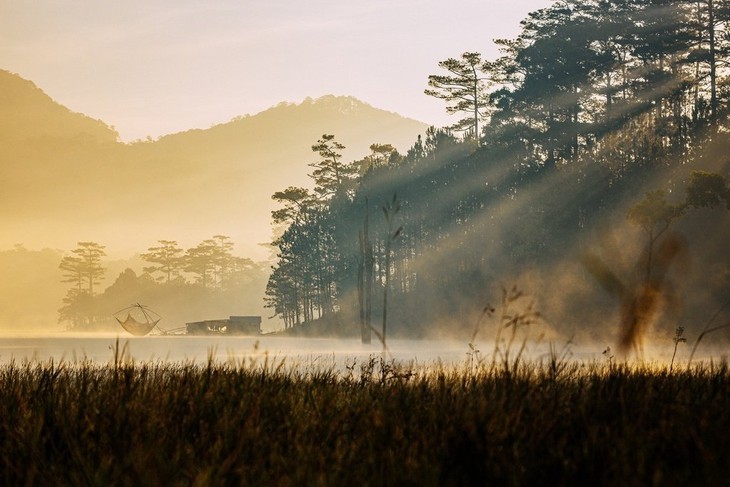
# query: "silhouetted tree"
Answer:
x=296 y=201
x=593 y=104
x=84 y=270
x=708 y=190
x=464 y=90
x=329 y=174
x=73 y=268
x=84 y=267
x=168 y=260
x=654 y=215
x=390 y=210
x=210 y=260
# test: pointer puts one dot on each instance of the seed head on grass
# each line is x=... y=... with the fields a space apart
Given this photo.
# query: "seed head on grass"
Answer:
x=608 y=354
x=678 y=338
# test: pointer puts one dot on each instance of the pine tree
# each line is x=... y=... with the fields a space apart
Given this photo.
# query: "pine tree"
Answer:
x=167 y=259
x=464 y=90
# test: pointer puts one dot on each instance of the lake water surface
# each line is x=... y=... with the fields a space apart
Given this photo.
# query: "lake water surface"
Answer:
x=101 y=349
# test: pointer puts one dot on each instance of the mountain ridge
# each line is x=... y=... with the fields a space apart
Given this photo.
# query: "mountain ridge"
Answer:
x=27 y=108
x=67 y=177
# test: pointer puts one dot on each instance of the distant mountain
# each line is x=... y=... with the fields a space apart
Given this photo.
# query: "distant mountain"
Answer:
x=65 y=177
x=26 y=112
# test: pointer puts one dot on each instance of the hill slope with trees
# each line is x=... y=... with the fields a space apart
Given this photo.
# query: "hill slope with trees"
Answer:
x=66 y=178
x=590 y=170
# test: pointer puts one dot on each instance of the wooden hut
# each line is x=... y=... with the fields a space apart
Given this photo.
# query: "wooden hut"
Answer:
x=234 y=325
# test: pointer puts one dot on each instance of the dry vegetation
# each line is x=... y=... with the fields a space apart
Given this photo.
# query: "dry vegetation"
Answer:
x=374 y=423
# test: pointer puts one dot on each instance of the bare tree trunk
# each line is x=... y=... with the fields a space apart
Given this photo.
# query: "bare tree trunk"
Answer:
x=390 y=210
x=368 y=271
x=365 y=278
x=713 y=63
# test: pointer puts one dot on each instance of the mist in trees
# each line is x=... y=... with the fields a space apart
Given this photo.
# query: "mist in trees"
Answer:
x=601 y=128
x=203 y=282
x=580 y=157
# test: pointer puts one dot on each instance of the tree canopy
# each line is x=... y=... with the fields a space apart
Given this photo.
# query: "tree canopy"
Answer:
x=596 y=115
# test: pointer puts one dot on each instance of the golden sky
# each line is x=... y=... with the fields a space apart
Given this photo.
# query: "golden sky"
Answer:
x=152 y=67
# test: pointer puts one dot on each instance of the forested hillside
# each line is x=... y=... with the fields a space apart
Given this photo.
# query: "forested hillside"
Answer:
x=66 y=178
x=590 y=169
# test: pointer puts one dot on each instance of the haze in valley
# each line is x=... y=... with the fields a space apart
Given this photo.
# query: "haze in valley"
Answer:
x=128 y=124
x=580 y=186
x=67 y=178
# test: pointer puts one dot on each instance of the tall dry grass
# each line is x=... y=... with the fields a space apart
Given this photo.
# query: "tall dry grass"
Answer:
x=374 y=423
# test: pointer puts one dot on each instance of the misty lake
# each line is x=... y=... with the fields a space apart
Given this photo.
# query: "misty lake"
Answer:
x=100 y=349
x=304 y=352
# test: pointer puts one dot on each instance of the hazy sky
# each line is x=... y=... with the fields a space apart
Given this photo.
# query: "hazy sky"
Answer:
x=151 y=67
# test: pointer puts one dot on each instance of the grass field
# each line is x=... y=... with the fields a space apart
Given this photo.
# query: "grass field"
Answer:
x=374 y=423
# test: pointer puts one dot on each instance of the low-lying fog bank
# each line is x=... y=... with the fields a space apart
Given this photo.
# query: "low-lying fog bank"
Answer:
x=326 y=352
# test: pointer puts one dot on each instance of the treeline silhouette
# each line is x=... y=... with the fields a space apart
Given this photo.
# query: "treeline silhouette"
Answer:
x=595 y=109
x=205 y=281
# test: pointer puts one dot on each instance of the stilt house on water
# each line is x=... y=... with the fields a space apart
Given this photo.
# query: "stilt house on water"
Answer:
x=234 y=325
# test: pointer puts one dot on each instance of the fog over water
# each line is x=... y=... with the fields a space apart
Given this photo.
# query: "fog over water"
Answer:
x=100 y=349
x=301 y=353
x=587 y=206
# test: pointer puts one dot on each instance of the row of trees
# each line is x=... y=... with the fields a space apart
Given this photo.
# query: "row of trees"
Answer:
x=211 y=263
x=592 y=105
x=580 y=69
x=208 y=269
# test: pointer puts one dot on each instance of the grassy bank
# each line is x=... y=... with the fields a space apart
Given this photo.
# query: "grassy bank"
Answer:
x=373 y=424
